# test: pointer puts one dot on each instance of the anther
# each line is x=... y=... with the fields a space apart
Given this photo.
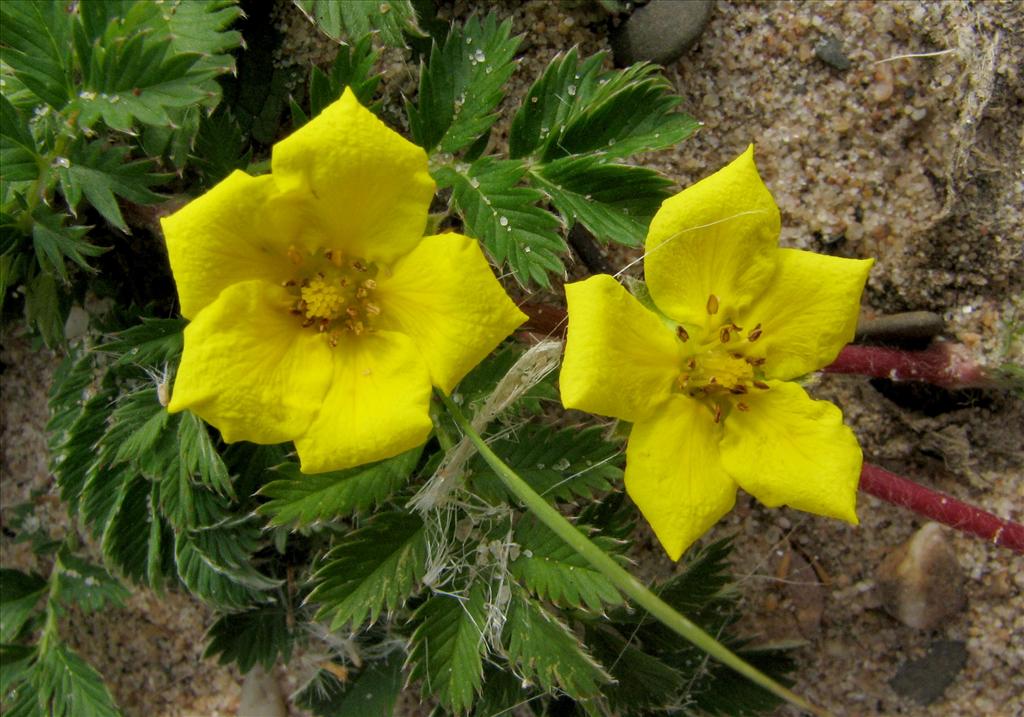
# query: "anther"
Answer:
x=756 y=361
x=691 y=364
x=294 y=255
x=742 y=406
x=352 y=311
x=712 y=304
x=359 y=266
x=323 y=325
x=334 y=257
x=755 y=333
x=370 y=284
x=738 y=390
x=289 y=283
x=723 y=335
x=372 y=309
x=681 y=334
x=761 y=385
x=296 y=312
x=718 y=412
x=361 y=293
x=307 y=323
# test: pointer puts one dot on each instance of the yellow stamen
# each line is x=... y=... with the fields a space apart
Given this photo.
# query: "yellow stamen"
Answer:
x=712 y=304
x=322 y=301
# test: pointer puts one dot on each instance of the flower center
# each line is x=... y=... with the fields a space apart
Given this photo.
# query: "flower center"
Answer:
x=333 y=293
x=718 y=373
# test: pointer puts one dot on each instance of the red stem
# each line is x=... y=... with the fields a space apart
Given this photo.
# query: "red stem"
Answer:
x=942 y=364
x=941 y=507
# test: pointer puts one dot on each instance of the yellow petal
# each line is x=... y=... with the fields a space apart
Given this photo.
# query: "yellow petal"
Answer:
x=363 y=188
x=225 y=236
x=620 y=358
x=376 y=407
x=250 y=369
x=807 y=313
x=717 y=238
x=674 y=475
x=445 y=297
x=789 y=449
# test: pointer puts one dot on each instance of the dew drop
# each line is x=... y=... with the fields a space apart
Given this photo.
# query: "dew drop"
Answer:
x=503 y=221
x=479 y=55
x=527 y=553
x=474 y=182
x=571 y=89
x=527 y=250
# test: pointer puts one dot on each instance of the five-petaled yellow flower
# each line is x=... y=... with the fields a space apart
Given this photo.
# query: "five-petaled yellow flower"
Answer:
x=705 y=379
x=320 y=314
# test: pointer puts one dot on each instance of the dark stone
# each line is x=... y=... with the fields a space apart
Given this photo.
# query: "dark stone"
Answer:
x=924 y=680
x=830 y=51
x=661 y=31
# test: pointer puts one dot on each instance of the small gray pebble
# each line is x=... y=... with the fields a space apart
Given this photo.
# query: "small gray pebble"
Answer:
x=924 y=680
x=661 y=31
x=830 y=51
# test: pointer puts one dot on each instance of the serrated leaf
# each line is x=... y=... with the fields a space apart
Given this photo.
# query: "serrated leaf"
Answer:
x=54 y=243
x=558 y=464
x=43 y=310
x=505 y=217
x=252 y=637
x=76 y=455
x=19 y=594
x=447 y=646
x=126 y=538
x=88 y=586
x=546 y=651
x=15 y=667
x=643 y=683
x=352 y=68
x=578 y=108
x=461 y=85
x=356 y=18
x=19 y=159
x=220 y=147
x=136 y=425
x=300 y=500
x=36 y=36
x=216 y=565
x=67 y=396
x=102 y=494
x=550 y=568
x=372 y=692
x=199 y=457
x=69 y=687
x=371 y=570
x=153 y=342
x=614 y=201
x=99 y=172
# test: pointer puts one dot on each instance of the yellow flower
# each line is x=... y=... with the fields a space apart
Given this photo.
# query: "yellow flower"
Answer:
x=705 y=377
x=320 y=314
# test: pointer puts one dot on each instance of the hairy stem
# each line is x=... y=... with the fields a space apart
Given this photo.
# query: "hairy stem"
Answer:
x=620 y=577
x=942 y=364
x=941 y=507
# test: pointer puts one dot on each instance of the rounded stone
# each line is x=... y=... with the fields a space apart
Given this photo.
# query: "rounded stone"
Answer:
x=661 y=31
x=920 y=583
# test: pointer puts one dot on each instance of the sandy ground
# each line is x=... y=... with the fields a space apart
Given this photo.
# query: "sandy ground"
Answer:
x=916 y=162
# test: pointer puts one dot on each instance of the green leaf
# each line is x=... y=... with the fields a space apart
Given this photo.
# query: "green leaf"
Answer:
x=372 y=692
x=136 y=425
x=129 y=533
x=15 y=667
x=73 y=461
x=54 y=243
x=19 y=159
x=578 y=108
x=643 y=683
x=371 y=570
x=69 y=687
x=546 y=651
x=550 y=568
x=36 y=36
x=200 y=457
x=215 y=564
x=252 y=637
x=301 y=500
x=88 y=586
x=447 y=646
x=19 y=594
x=558 y=464
x=102 y=494
x=220 y=147
x=353 y=68
x=43 y=309
x=356 y=18
x=99 y=172
x=614 y=201
x=461 y=85
x=154 y=342
x=504 y=215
